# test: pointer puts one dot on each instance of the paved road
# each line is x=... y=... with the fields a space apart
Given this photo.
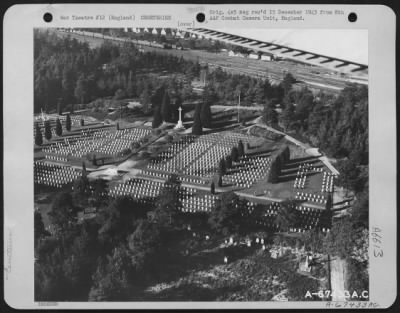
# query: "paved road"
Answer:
x=234 y=107
x=310 y=150
x=337 y=278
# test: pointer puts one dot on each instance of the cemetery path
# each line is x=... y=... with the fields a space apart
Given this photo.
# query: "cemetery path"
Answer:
x=310 y=150
x=230 y=107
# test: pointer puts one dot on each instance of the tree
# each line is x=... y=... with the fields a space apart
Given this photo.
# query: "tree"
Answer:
x=144 y=244
x=99 y=187
x=226 y=217
x=287 y=215
x=205 y=114
x=84 y=173
x=197 y=128
x=240 y=148
x=304 y=106
x=111 y=279
x=168 y=202
x=287 y=116
x=284 y=153
x=81 y=91
x=219 y=181
x=360 y=209
x=68 y=122
x=38 y=135
x=145 y=100
x=119 y=94
x=287 y=83
x=259 y=93
x=63 y=211
x=275 y=168
x=339 y=241
x=157 y=97
x=235 y=154
x=166 y=107
x=299 y=285
x=228 y=161
x=212 y=188
x=270 y=116
x=314 y=240
x=39 y=228
x=59 y=106
x=68 y=83
x=82 y=186
x=47 y=130
x=222 y=167
x=350 y=176
x=118 y=220
x=329 y=202
x=58 y=127
x=82 y=122
x=157 y=117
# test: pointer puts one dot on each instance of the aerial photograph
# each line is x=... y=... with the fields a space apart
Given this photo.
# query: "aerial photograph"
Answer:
x=200 y=164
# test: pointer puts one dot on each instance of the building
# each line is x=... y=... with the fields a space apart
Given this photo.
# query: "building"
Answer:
x=254 y=56
x=265 y=57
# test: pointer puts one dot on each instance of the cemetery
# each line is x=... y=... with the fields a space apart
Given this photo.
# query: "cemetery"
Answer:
x=236 y=160
x=159 y=176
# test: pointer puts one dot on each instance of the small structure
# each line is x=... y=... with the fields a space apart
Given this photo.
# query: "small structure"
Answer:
x=304 y=265
x=254 y=56
x=86 y=214
x=265 y=57
x=179 y=125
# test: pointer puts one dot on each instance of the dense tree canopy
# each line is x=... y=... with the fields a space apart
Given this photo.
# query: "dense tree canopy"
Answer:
x=227 y=214
x=38 y=135
x=47 y=130
x=68 y=72
x=58 y=127
x=197 y=128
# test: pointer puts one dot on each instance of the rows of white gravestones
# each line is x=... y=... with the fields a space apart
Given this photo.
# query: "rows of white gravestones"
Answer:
x=145 y=191
x=142 y=190
x=204 y=203
x=306 y=217
x=104 y=141
x=198 y=158
x=327 y=182
x=188 y=155
x=311 y=197
x=207 y=164
x=54 y=175
x=247 y=171
x=306 y=169
x=161 y=162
